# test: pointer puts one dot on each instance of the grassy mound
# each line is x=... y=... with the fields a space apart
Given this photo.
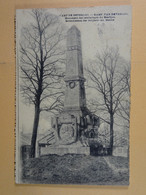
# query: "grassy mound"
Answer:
x=75 y=169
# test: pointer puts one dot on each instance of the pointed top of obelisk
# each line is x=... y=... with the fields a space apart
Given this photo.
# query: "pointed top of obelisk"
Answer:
x=73 y=36
x=74 y=29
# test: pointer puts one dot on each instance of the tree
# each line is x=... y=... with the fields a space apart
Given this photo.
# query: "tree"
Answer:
x=40 y=62
x=124 y=108
x=106 y=79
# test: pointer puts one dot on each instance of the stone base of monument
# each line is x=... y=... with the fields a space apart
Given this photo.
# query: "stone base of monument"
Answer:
x=61 y=150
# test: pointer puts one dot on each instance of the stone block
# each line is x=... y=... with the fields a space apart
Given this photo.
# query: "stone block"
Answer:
x=62 y=150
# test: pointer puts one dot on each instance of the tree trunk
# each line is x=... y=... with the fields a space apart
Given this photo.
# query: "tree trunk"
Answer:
x=34 y=134
x=111 y=133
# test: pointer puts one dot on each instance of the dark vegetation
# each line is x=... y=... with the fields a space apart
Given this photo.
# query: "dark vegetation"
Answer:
x=76 y=169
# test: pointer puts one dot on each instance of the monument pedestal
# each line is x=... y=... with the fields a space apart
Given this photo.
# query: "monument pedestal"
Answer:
x=61 y=150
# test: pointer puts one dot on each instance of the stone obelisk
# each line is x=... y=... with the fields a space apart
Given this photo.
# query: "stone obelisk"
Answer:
x=76 y=123
x=75 y=99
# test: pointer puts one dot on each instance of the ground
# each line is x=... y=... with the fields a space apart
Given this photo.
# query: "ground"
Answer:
x=76 y=169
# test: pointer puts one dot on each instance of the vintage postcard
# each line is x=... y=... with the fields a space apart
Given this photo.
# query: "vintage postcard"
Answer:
x=73 y=95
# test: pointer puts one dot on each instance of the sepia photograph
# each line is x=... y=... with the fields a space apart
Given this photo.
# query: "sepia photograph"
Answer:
x=73 y=95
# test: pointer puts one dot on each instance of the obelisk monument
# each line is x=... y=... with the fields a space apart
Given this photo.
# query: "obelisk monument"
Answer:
x=75 y=99
x=75 y=122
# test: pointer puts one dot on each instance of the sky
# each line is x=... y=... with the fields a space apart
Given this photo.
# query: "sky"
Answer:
x=94 y=37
